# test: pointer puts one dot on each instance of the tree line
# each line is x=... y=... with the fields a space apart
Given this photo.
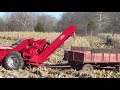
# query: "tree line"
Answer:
x=27 y=21
x=88 y=23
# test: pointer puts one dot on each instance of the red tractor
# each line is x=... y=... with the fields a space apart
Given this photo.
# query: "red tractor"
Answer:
x=32 y=52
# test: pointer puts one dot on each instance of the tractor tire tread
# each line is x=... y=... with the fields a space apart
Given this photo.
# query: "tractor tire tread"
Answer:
x=18 y=55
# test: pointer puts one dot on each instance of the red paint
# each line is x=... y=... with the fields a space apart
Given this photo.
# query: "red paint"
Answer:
x=36 y=52
x=92 y=57
x=55 y=44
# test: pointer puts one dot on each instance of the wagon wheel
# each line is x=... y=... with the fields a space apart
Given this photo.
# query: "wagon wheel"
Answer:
x=88 y=68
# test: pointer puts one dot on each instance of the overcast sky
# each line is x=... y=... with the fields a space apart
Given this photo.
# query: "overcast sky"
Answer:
x=55 y=14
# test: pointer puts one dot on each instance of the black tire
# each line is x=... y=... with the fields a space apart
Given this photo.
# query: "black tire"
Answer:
x=13 y=61
x=87 y=68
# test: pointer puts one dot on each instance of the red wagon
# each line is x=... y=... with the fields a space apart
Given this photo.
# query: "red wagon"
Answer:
x=87 y=59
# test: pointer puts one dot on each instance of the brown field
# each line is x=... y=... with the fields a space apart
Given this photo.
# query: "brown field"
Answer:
x=7 y=38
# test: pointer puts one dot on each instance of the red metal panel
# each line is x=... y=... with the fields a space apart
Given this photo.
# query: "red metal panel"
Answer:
x=78 y=56
x=23 y=44
x=113 y=57
x=88 y=56
x=118 y=57
x=97 y=57
x=55 y=44
x=77 y=51
x=106 y=57
x=92 y=57
x=70 y=55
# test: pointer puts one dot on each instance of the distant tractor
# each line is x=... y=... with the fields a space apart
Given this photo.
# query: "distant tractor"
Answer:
x=109 y=40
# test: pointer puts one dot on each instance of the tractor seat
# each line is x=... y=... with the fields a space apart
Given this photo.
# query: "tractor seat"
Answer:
x=6 y=47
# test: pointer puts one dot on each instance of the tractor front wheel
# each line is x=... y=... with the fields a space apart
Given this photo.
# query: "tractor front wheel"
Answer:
x=13 y=61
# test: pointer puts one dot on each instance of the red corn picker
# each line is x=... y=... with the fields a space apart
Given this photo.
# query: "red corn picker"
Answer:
x=32 y=52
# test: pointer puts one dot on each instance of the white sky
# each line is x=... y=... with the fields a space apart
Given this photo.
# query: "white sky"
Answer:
x=55 y=14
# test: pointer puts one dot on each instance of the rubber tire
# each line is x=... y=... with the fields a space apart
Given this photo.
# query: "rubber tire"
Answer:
x=19 y=65
x=87 y=66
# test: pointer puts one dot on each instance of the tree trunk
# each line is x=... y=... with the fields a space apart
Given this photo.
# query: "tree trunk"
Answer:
x=91 y=34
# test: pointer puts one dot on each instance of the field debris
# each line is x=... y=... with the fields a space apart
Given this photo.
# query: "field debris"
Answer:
x=56 y=57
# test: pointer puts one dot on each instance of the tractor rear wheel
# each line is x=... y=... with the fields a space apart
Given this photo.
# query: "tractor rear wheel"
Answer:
x=88 y=68
x=13 y=61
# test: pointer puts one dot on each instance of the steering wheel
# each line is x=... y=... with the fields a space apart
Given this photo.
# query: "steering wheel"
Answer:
x=17 y=42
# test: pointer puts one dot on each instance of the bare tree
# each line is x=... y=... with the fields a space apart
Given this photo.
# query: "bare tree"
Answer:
x=114 y=26
x=102 y=20
x=64 y=21
x=26 y=20
x=91 y=28
x=3 y=26
x=48 y=22
x=79 y=19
